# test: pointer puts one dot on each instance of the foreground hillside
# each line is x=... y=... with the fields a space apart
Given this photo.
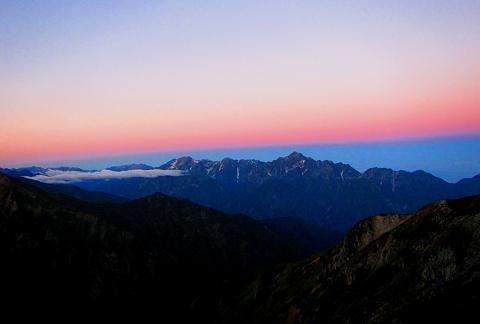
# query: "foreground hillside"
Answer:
x=183 y=262
x=421 y=268
x=157 y=254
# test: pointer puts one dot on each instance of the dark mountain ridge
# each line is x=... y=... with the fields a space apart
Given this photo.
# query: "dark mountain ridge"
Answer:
x=168 y=257
x=415 y=268
x=65 y=191
x=127 y=167
x=158 y=254
x=35 y=170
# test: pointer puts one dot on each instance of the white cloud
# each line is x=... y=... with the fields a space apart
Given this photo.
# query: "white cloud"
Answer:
x=57 y=176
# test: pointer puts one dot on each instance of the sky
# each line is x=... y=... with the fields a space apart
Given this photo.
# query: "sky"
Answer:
x=102 y=80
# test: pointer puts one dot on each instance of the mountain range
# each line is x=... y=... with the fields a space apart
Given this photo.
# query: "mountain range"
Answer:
x=333 y=195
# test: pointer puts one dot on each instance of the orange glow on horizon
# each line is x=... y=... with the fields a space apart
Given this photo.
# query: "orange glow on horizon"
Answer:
x=83 y=80
x=25 y=142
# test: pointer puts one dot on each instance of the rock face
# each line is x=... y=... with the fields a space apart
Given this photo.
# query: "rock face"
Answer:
x=414 y=268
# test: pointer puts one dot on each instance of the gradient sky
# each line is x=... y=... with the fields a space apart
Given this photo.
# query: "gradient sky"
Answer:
x=85 y=79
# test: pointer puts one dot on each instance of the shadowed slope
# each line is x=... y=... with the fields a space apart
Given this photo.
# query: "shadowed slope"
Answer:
x=394 y=268
x=156 y=254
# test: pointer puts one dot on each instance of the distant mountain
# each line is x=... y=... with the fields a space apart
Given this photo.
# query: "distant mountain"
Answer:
x=332 y=195
x=311 y=237
x=471 y=185
x=24 y=172
x=128 y=167
x=414 y=268
x=254 y=172
x=70 y=169
x=34 y=171
x=159 y=254
x=60 y=190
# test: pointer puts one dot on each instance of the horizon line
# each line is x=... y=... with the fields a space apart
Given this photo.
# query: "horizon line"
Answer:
x=390 y=140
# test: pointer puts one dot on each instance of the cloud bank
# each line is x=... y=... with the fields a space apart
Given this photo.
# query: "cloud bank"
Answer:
x=58 y=176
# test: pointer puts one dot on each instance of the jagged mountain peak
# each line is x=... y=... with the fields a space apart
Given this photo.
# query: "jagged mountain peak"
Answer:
x=378 y=171
x=296 y=155
x=233 y=171
x=181 y=163
x=293 y=157
x=228 y=161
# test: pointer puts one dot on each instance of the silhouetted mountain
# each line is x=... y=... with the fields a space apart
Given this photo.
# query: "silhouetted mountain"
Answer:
x=408 y=186
x=128 y=167
x=24 y=172
x=418 y=268
x=469 y=186
x=311 y=237
x=332 y=195
x=69 y=169
x=161 y=254
x=59 y=190
x=35 y=170
x=254 y=172
x=184 y=262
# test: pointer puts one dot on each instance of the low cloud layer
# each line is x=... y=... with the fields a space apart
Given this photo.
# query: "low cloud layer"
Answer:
x=57 y=176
